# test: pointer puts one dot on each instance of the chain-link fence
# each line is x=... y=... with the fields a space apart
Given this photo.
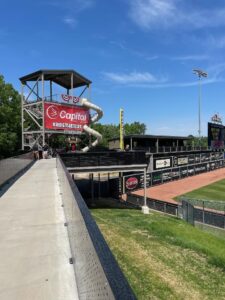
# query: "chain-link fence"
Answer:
x=208 y=212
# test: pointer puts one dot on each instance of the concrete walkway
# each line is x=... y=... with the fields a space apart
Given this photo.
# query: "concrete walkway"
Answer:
x=34 y=246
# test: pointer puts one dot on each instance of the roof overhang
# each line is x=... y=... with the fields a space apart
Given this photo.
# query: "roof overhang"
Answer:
x=65 y=78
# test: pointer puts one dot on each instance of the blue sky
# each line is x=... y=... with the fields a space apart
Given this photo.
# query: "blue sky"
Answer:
x=139 y=54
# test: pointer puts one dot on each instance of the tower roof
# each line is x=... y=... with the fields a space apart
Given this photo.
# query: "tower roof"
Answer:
x=60 y=77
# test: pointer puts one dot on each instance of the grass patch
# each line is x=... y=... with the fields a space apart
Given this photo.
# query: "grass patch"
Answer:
x=163 y=257
x=214 y=191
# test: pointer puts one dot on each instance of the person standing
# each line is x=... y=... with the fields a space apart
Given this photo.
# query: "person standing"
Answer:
x=35 y=151
x=45 y=151
x=40 y=151
x=73 y=147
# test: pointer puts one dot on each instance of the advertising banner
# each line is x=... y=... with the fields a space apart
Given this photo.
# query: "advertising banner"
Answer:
x=205 y=157
x=200 y=168
x=156 y=178
x=175 y=173
x=197 y=158
x=216 y=136
x=191 y=159
x=166 y=176
x=182 y=161
x=66 y=118
x=162 y=163
x=213 y=156
x=183 y=172
x=191 y=170
x=136 y=181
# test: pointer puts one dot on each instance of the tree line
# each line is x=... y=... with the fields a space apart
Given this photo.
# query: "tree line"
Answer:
x=10 y=119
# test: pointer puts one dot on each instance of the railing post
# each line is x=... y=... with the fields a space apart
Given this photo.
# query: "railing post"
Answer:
x=145 y=208
x=203 y=212
x=224 y=216
x=99 y=185
x=164 y=207
x=92 y=189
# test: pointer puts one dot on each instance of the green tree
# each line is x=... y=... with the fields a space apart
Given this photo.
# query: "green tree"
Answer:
x=195 y=142
x=10 y=120
x=110 y=131
x=134 y=128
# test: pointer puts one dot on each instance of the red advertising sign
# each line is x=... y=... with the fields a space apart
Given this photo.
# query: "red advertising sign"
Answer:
x=131 y=183
x=62 y=117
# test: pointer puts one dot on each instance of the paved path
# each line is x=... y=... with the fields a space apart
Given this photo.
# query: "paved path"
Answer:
x=168 y=191
x=34 y=251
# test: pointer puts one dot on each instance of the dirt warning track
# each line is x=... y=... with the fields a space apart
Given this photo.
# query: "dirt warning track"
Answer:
x=168 y=191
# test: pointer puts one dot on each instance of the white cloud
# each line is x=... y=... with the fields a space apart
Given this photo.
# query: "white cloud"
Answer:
x=70 y=21
x=191 y=57
x=149 y=14
x=74 y=5
x=216 y=70
x=178 y=84
x=132 y=78
x=214 y=41
x=122 y=46
x=71 y=9
x=148 y=80
x=146 y=13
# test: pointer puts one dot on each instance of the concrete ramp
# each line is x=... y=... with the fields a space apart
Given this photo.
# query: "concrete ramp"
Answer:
x=35 y=251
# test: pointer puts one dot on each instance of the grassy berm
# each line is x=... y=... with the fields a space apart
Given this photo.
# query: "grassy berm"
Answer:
x=163 y=257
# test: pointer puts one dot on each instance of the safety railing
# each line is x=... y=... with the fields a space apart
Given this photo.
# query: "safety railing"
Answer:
x=10 y=167
x=165 y=207
x=103 y=158
x=172 y=149
x=97 y=273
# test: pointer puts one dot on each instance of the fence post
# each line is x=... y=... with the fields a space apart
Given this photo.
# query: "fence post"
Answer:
x=164 y=207
x=203 y=212
x=92 y=189
x=108 y=183
x=224 y=217
x=99 y=185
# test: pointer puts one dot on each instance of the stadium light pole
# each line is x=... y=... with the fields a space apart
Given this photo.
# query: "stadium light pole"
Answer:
x=200 y=74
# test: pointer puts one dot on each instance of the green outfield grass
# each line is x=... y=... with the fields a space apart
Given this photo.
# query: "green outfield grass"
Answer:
x=164 y=257
x=214 y=191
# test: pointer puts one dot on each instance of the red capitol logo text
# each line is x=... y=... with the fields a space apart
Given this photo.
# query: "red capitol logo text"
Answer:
x=53 y=112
